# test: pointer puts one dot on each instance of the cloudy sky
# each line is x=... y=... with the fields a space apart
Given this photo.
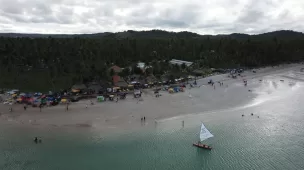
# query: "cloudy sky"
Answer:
x=201 y=16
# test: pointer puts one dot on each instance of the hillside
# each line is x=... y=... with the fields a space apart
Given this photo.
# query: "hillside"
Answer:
x=36 y=62
x=160 y=34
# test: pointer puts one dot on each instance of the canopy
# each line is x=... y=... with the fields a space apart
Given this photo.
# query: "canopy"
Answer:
x=64 y=100
x=100 y=98
x=75 y=90
x=79 y=87
x=205 y=134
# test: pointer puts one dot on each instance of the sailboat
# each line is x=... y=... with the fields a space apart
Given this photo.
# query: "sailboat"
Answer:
x=204 y=134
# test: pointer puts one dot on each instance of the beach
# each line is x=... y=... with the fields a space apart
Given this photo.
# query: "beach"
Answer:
x=273 y=95
x=128 y=113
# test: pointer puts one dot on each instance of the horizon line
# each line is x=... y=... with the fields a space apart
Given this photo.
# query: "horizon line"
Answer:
x=147 y=31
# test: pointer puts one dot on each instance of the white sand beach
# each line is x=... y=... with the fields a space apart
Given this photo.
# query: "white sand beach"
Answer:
x=127 y=114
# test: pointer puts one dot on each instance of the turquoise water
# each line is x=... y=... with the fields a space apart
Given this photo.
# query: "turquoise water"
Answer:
x=274 y=140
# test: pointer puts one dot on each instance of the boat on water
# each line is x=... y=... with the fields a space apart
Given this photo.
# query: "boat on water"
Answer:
x=204 y=134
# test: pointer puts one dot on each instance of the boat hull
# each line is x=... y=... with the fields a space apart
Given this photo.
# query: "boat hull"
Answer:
x=203 y=146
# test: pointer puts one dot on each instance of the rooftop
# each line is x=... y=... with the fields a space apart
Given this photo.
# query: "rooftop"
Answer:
x=180 y=62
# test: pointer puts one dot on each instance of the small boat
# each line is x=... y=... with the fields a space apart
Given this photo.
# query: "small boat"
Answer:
x=204 y=134
x=202 y=146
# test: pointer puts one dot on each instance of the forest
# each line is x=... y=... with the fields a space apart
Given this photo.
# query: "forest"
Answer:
x=44 y=62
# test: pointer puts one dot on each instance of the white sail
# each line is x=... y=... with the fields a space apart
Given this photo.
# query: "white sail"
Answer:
x=205 y=134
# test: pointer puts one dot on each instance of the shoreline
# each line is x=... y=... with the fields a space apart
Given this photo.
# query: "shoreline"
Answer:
x=126 y=114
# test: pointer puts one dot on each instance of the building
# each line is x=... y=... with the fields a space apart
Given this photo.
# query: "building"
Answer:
x=141 y=65
x=115 y=78
x=116 y=69
x=180 y=62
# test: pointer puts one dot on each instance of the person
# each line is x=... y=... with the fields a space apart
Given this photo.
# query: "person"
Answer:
x=36 y=140
x=40 y=106
x=67 y=106
x=144 y=118
x=86 y=106
x=24 y=107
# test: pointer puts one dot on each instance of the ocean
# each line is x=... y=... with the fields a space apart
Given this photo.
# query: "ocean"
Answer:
x=273 y=138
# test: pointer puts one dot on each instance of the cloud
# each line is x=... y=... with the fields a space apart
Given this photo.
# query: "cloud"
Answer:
x=201 y=16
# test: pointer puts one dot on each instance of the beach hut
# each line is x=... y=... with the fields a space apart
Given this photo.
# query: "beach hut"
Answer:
x=95 y=88
x=78 y=88
x=121 y=83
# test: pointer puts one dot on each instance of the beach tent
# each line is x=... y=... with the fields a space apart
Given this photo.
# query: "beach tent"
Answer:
x=20 y=99
x=37 y=94
x=13 y=92
x=182 y=89
x=64 y=101
x=100 y=98
x=75 y=90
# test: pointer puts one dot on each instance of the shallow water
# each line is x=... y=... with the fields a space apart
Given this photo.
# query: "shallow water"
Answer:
x=274 y=140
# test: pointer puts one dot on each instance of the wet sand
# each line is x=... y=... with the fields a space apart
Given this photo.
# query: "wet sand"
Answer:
x=126 y=114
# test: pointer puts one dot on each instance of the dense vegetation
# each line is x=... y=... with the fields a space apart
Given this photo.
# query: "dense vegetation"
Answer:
x=43 y=62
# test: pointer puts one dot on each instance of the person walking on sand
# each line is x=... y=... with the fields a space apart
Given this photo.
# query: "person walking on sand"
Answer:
x=144 y=118
x=67 y=106
x=86 y=106
x=24 y=107
x=40 y=107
